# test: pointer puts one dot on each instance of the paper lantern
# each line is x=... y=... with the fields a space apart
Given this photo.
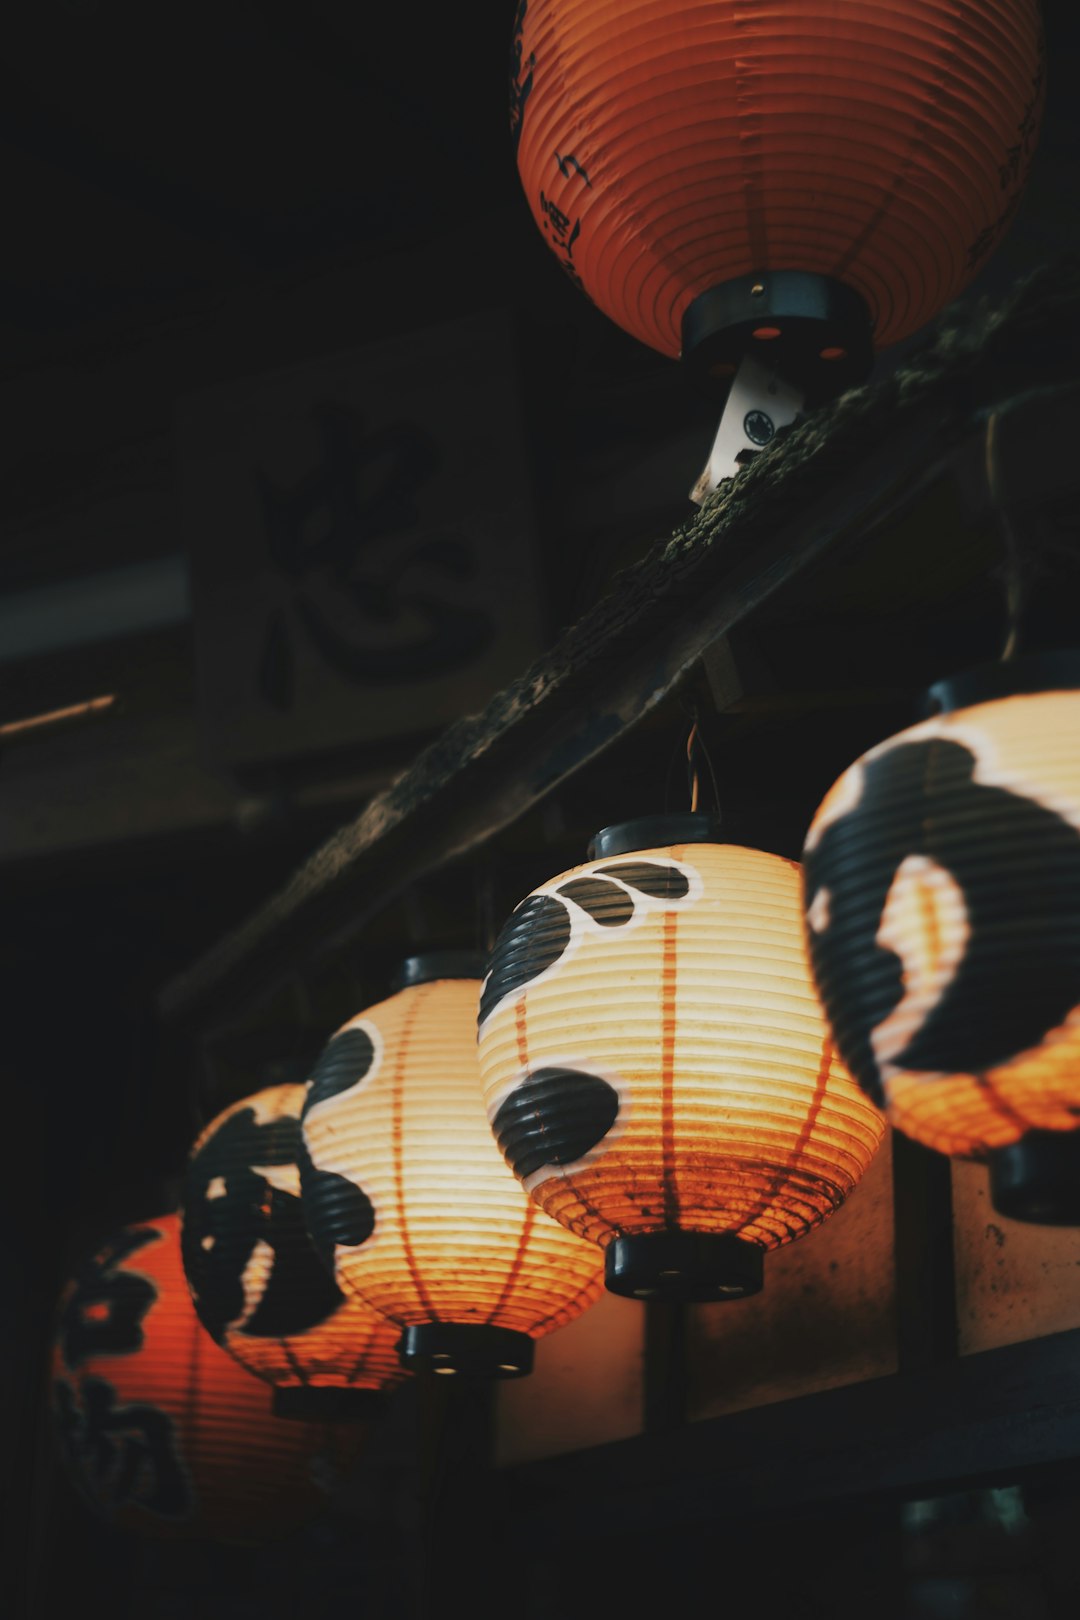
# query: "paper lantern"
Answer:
x=260 y=1289
x=408 y=1197
x=656 y=1065
x=800 y=176
x=943 y=920
x=162 y=1432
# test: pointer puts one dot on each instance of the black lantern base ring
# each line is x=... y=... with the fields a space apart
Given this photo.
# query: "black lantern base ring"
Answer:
x=654 y=832
x=684 y=1267
x=474 y=1350
x=324 y=1404
x=813 y=331
x=1038 y=1178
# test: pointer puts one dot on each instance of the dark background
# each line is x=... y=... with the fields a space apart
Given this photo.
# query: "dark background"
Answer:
x=193 y=196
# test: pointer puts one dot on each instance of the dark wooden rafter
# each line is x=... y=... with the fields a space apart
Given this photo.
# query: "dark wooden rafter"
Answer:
x=828 y=486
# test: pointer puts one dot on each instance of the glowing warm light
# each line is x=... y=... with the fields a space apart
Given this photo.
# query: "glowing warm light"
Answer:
x=656 y=1065
x=162 y=1432
x=943 y=913
x=407 y=1193
x=258 y=1285
x=667 y=147
x=56 y=717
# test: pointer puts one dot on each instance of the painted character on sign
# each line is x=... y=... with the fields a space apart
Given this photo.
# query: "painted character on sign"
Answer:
x=378 y=608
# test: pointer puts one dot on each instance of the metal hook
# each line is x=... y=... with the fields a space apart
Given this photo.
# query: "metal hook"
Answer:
x=1014 y=576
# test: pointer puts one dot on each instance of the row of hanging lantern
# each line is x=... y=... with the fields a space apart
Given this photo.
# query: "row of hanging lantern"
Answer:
x=771 y=192
x=670 y=1094
x=676 y=1082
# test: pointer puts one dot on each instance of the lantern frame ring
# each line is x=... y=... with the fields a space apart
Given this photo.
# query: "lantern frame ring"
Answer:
x=473 y=1349
x=1056 y=670
x=815 y=331
x=680 y=1267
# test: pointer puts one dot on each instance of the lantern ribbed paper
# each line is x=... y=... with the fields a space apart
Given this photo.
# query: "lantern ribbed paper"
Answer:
x=408 y=1193
x=163 y=1433
x=669 y=146
x=259 y=1287
x=655 y=1059
x=943 y=910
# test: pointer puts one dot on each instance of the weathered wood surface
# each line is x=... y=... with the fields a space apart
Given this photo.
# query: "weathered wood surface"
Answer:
x=834 y=480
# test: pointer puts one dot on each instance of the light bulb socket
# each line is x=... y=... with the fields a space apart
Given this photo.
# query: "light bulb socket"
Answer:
x=676 y=1268
x=1037 y=1179
x=432 y=965
x=474 y=1350
x=654 y=832
x=816 y=331
x=1036 y=672
x=310 y=1403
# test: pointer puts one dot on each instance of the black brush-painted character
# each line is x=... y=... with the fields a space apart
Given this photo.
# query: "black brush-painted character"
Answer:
x=554 y=1116
x=1019 y=975
x=123 y=1453
x=521 y=74
x=105 y=1310
x=539 y=931
x=242 y=1189
x=336 y=1210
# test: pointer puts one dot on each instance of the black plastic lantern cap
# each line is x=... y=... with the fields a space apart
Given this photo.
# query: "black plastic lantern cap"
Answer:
x=438 y=965
x=654 y=832
x=814 y=331
x=677 y=1268
x=474 y=1350
x=1038 y=672
x=1038 y=1178
x=328 y=1405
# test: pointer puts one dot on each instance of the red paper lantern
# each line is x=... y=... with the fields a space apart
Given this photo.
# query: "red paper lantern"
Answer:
x=163 y=1433
x=718 y=170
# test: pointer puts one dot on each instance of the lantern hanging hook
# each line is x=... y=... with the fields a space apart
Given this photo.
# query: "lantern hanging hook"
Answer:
x=695 y=749
x=1015 y=590
x=487 y=923
x=692 y=768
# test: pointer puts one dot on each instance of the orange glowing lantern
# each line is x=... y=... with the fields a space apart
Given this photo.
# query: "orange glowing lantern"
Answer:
x=718 y=174
x=260 y=1289
x=163 y=1433
x=656 y=1065
x=943 y=921
x=407 y=1196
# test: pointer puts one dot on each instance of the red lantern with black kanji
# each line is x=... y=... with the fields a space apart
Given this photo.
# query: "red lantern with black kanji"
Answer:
x=162 y=1432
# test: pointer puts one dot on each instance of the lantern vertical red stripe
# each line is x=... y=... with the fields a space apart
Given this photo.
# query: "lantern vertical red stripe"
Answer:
x=681 y=1104
x=454 y=1252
